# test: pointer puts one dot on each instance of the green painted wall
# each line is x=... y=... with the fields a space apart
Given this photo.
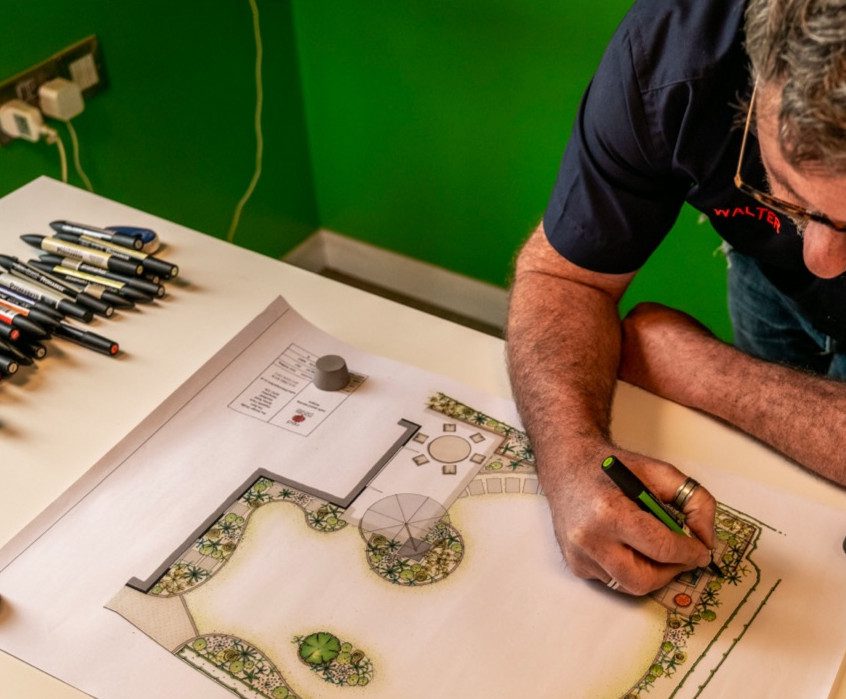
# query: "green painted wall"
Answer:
x=433 y=128
x=436 y=128
x=173 y=134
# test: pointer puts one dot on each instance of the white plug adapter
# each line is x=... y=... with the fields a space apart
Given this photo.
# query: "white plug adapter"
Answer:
x=61 y=99
x=21 y=120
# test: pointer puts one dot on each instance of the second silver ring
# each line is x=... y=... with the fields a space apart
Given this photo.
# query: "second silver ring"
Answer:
x=683 y=493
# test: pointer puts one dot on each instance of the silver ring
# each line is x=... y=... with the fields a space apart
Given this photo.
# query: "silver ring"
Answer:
x=613 y=584
x=683 y=493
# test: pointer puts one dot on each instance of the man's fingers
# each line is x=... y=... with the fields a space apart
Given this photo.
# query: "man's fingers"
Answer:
x=655 y=541
x=700 y=507
x=636 y=550
x=636 y=574
x=700 y=510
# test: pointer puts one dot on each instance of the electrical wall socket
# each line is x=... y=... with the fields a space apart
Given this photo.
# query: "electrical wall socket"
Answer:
x=81 y=62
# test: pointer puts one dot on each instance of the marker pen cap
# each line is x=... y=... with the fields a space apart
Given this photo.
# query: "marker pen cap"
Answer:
x=71 y=309
x=29 y=326
x=89 y=339
x=19 y=320
x=15 y=353
x=36 y=350
x=7 y=332
x=125 y=267
x=149 y=238
x=127 y=241
x=8 y=366
x=157 y=266
x=100 y=307
x=135 y=295
x=147 y=287
x=116 y=300
x=44 y=312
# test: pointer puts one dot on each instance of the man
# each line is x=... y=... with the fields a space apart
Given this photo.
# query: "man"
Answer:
x=659 y=126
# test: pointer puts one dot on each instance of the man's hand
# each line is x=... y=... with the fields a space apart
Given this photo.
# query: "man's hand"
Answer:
x=605 y=536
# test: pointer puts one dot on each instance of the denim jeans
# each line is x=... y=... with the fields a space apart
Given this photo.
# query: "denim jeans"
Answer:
x=769 y=325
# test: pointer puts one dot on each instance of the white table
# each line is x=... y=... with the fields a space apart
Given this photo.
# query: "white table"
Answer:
x=59 y=419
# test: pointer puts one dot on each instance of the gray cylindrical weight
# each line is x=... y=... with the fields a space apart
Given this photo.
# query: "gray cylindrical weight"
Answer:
x=331 y=373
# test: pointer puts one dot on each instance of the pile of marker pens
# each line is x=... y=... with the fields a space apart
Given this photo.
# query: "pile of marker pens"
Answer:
x=83 y=271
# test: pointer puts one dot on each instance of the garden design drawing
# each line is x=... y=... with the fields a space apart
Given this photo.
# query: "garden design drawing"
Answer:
x=406 y=543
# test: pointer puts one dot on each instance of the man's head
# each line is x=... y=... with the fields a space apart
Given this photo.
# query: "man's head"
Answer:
x=799 y=47
x=798 y=54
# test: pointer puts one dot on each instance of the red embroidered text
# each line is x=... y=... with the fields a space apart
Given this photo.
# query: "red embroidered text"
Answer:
x=759 y=213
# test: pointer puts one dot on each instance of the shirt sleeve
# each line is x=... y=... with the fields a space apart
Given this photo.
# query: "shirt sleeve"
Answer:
x=615 y=197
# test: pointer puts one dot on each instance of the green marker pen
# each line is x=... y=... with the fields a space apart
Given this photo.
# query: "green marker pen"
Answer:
x=645 y=499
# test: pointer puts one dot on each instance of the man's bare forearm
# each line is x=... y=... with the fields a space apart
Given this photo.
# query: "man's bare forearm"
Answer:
x=799 y=414
x=563 y=352
x=563 y=381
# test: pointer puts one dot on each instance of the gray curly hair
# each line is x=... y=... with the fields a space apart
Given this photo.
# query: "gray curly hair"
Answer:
x=800 y=45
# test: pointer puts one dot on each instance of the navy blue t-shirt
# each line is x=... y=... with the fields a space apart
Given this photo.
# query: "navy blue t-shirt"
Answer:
x=658 y=126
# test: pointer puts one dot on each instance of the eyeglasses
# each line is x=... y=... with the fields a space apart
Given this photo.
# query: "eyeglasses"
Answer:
x=799 y=215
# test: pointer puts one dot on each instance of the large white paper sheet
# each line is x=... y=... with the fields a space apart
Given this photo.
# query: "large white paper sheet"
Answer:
x=436 y=575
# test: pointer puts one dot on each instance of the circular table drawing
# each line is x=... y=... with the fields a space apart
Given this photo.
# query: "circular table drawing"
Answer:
x=406 y=519
x=449 y=449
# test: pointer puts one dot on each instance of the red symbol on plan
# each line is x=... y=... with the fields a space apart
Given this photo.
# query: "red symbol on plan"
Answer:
x=682 y=600
x=298 y=418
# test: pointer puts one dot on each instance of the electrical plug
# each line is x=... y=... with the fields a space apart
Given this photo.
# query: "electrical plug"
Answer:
x=61 y=99
x=21 y=120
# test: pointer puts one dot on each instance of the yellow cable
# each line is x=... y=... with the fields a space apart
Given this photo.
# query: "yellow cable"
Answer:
x=77 y=164
x=52 y=136
x=236 y=216
x=63 y=158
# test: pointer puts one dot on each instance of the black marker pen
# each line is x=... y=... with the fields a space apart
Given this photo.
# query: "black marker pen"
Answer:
x=16 y=319
x=151 y=264
x=149 y=288
x=82 y=285
x=88 y=339
x=115 y=292
x=35 y=350
x=78 y=229
x=117 y=263
x=98 y=291
x=21 y=269
x=44 y=295
x=39 y=312
x=8 y=365
x=7 y=332
x=15 y=353
x=33 y=314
